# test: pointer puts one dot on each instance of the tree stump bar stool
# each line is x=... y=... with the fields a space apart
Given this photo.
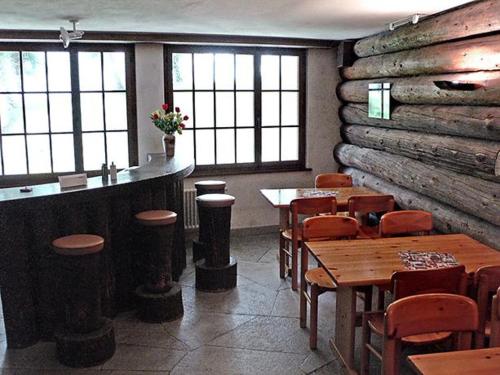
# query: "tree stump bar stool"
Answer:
x=85 y=338
x=205 y=187
x=217 y=272
x=159 y=298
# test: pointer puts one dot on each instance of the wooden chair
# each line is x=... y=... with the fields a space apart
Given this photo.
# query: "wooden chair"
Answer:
x=451 y=280
x=486 y=283
x=399 y=223
x=320 y=228
x=426 y=314
x=293 y=235
x=495 y=321
x=361 y=205
x=332 y=180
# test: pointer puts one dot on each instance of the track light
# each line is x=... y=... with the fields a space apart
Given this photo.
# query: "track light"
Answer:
x=404 y=21
x=67 y=36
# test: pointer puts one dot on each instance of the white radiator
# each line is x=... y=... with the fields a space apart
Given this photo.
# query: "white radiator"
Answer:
x=190 y=209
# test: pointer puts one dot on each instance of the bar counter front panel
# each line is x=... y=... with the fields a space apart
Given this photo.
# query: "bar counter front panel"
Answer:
x=29 y=222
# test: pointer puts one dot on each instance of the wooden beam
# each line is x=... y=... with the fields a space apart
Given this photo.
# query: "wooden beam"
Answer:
x=446 y=219
x=469 y=194
x=474 y=18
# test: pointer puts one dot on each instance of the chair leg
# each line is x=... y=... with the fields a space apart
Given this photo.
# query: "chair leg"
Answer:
x=313 y=335
x=282 y=257
x=381 y=299
x=295 y=267
x=303 y=288
x=365 y=353
x=368 y=298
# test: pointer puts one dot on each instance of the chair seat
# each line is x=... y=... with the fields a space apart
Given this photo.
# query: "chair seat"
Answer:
x=366 y=232
x=78 y=244
x=319 y=277
x=287 y=234
x=156 y=217
x=376 y=323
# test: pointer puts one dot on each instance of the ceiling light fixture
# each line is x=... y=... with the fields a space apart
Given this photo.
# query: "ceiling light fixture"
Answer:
x=67 y=36
x=404 y=21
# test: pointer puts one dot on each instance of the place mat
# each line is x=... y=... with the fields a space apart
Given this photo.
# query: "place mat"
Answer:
x=414 y=260
x=319 y=193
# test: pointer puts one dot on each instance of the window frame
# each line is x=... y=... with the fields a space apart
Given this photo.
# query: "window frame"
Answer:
x=258 y=166
x=73 y=49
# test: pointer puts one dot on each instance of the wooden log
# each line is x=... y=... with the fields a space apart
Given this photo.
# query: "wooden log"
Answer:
x=462 y=155
x=424 y=90
x=469 y=194
x=469 y=55
x=473 y=122
x=478 y=17
x=446 y=219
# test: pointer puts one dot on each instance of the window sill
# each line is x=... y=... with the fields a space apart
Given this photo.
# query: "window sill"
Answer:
x=207 y=171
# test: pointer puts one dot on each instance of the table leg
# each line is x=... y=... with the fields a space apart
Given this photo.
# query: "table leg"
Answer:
x=284 y=217
x=345 y=324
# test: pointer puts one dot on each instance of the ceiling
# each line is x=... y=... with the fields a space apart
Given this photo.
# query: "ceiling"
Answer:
x=317 y=19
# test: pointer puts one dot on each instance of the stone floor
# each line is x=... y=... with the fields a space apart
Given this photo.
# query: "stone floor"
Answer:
x=253 y=329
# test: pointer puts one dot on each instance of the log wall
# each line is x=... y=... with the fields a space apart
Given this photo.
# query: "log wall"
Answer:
x=440 y=151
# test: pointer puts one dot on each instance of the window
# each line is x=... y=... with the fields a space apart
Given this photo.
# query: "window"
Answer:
x=246 y=106
x=65 y=110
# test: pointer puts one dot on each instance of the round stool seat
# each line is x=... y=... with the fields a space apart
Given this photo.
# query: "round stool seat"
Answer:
x=210 y=185
x=215 y=200
x=78 y=244
x=156 y=217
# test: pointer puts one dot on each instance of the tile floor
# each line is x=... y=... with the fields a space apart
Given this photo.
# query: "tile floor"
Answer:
x=253 y=329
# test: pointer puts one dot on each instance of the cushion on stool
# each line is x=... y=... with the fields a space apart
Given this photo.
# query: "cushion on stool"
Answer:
x=78 y=244
x=215 y=200
x=156 y=217
x=210 y=185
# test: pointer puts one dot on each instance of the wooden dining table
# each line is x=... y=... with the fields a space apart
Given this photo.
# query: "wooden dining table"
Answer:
x=479 y=361
x=355 y=263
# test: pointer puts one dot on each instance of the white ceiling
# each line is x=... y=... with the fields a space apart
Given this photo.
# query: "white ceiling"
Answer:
x=319 y=19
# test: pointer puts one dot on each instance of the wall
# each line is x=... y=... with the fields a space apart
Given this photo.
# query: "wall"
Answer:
x=322 y=130
x=440 y=151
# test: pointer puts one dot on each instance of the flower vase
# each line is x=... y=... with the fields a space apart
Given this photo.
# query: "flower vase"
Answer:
x=169 y=144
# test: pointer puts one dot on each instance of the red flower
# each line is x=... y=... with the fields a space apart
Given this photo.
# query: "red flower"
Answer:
x=182 y=126
x=186 y=118
x=177 y=109
x=164 y=106
x=154 y=116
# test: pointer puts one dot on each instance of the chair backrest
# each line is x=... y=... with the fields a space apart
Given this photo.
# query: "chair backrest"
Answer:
x=405 y=222
x=451 y=280
x=486 y=282
x=495 y=321
x=363 y=204
x=329 y=227
x=332 y=180
x=426 y=313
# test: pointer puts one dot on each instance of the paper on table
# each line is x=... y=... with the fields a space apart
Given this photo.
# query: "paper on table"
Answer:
x=319 y=193
x=414 y=260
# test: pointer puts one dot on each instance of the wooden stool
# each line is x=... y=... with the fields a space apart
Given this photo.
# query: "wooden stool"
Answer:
x=205 y=187
x=85 y=338
x=159 y=298
x=217 y=272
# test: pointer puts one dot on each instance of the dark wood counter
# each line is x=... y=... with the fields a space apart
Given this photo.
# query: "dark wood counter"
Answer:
x=30 y=221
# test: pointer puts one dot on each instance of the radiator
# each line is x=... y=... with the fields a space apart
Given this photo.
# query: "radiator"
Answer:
x=190 y=209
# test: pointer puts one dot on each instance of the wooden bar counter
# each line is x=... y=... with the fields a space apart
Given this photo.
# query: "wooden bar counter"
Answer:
x=30 y=221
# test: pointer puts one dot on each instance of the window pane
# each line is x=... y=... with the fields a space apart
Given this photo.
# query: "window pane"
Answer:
x=203 y=71
x=289 y=108
x=14 y=155
x=39 y=153
x=244 y=72
x=185 y=144
x=63 y=154
x=244 y=109
x=184 y=100
x=34 y=71
x=224 y=71
x=89 y=66
x=182 y=74
x=37 y=116
x=205 y=147
x=270 y=72
x=114 y=70
x=270 y=108
x=225 y=109
x=204 y=109
x=93 y=151
x=290 y=143
x=11 y=113
x=289 y=72
x=10 y=72
x=59 y=71
x=61 y=113
x=225 y=146
x=270 y=145
x=116 y=110
x=91 y=109
x=245 y=151
x=117 y=144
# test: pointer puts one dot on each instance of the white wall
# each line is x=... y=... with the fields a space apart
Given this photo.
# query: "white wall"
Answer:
x=322 y=133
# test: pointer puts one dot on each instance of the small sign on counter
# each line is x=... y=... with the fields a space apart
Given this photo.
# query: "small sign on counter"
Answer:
x=73 y=180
